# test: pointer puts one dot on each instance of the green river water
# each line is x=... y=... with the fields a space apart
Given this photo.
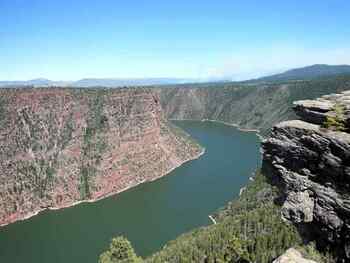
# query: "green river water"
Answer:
x=150 y=214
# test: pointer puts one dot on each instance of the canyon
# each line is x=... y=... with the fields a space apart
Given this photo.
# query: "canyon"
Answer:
x=304 y=179
x=60 y=146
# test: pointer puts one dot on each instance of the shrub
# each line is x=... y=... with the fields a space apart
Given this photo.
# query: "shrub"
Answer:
x=336 y=122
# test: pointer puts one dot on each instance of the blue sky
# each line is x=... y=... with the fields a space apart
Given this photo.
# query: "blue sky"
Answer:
x=69 y=40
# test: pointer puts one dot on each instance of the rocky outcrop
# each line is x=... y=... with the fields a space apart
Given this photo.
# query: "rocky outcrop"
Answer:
x=317 y=111
x=292 y=256
x=63 y=146
x=311 y=167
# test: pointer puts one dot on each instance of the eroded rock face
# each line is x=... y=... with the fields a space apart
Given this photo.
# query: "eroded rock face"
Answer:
x=292 y=256
x=61 y=146
x=311 y=166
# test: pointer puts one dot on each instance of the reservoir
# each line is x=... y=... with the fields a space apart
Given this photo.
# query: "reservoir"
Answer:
x=150 y=214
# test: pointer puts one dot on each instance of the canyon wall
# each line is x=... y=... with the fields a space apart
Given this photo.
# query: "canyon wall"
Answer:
x=62 y=146
x=309 y=161
x=248 y=105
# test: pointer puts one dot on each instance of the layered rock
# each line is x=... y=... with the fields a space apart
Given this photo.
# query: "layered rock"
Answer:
x=311 y=166
x=317 y=111
x=63 y=146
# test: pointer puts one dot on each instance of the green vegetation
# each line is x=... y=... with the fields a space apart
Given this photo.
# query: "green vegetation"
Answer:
x=94 y=141
x=336 y=122
x=41 y=171
x=253 y=221
x=3 y=111
x=120 y=251
x=249 y=229
x=67 y=132
x=84 y=187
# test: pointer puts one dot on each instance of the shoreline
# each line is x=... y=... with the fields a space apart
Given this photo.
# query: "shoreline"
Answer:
x=256 y=131
x=195 y=157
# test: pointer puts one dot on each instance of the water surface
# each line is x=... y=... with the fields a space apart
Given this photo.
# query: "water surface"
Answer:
x=149 y=215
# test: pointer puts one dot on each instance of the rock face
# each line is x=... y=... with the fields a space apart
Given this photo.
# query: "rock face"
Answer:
x=311 y=166
x=292 y=256
x=62 y=146
x=317 y=111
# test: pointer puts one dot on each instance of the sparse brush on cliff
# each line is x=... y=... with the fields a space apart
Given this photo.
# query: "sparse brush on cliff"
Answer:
x=94 y=142
x=60 y=146
x=336 y=122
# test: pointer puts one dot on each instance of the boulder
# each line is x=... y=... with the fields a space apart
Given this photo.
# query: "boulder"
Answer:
x=292 y=256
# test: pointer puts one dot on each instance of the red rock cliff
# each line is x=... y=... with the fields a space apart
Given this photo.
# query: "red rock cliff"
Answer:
x=62 y=146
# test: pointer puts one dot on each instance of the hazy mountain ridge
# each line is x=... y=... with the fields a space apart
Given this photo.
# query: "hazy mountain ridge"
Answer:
x=98 y=82
x=304 y=73
x=308 y=72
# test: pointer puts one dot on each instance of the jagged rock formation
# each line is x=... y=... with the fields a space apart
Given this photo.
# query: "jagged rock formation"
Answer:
x=62 y=146
x=311 y=166
x=292 y=256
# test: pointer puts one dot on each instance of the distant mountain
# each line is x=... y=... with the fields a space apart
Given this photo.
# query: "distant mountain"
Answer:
x=309 y=72
x=94 y=82
x=40 y=82
x=99 y=82
x=24 y=83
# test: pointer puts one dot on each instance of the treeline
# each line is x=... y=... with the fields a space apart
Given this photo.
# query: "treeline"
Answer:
x=249 y=229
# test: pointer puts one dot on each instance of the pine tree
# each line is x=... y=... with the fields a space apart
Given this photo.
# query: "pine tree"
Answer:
x=120 y=251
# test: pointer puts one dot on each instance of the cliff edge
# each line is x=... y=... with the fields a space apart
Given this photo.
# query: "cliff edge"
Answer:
x=309 y=161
